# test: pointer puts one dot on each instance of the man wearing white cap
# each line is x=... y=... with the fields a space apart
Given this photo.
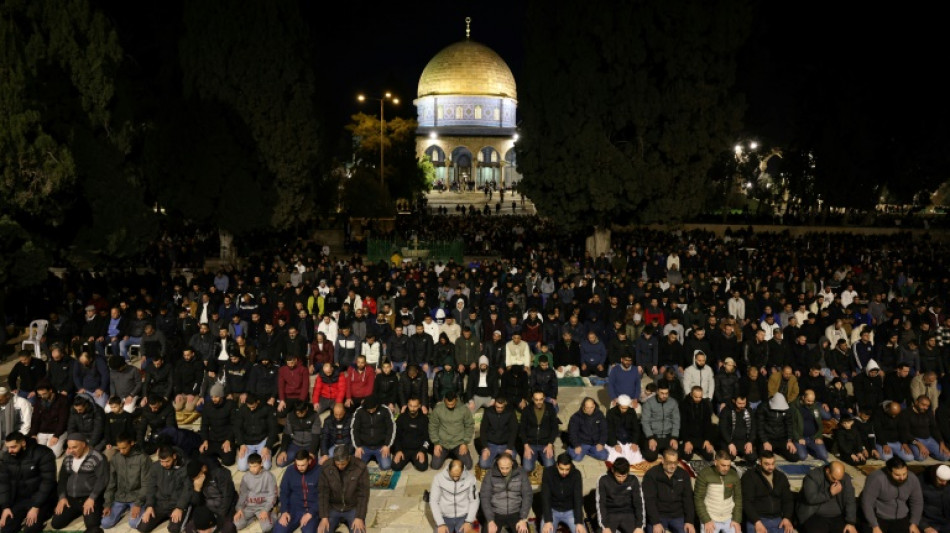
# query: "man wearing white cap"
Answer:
x=15 y=413
x=623 y=432
x=933 y=483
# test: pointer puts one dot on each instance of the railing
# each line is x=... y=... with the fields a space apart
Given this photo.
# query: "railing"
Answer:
x=385 y=249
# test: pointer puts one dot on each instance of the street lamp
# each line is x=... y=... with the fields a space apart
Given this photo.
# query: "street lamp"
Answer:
x=382 y=122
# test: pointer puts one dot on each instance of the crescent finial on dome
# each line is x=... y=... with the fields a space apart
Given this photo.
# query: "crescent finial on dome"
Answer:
x=468 y=27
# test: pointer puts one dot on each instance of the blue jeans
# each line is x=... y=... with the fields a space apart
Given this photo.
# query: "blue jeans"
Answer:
x=115 y=515
x=376 y=452
x=253 y=448
x=932 y=446
x=771 y=525
x=562 y=517
x=336 y=517
x=537 y=451
x=895 y=450
x=291 y=452
x=588 y=449
x=454 y=524
x=493 y=451
x=818 y=450
x=294 y=523
x=675 y=525
x=124 y=346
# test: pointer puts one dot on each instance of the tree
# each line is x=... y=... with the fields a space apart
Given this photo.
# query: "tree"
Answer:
x=63 y=148
x=365 y=197
x=405 y=174
x=630 y=106
x=253 y=57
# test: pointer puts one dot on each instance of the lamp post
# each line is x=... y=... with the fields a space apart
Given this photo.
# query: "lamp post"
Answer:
x=382 y=121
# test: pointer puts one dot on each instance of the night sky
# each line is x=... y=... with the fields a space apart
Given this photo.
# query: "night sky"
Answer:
x=796 y=49
x=372 y=52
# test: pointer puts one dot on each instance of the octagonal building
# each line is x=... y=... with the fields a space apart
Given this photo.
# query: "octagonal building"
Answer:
x=466 y=109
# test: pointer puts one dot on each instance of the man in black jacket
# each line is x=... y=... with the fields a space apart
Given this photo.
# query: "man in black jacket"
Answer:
x=623 y=431
x=737 y=429
x=81 y=488
x=668 y=493
x=412 y=438
x=482 y=385
x=562 y=496
x=187 y=375
x=86 y=417
x=301 y=432
x=767 y=498
x=498 y=432
x=697 y=432
x=255 y=431
x=217 y=430
x=213 y=488
x=336 y=431
x=168 y=493
x=620 y=500
x=373 y=433
x=158 y=415
x=27 y=485
x=538 y=429
x=413 y=384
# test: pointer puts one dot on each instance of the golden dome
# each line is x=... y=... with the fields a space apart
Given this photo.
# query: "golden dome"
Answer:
x=467 y=68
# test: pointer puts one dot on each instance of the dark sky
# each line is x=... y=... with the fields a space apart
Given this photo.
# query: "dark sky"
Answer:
x=379 y=49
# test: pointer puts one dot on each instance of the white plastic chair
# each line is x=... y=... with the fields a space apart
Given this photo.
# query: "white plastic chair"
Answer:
x=35 y=337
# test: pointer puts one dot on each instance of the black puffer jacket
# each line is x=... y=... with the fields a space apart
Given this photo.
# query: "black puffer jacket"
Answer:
x=499 y=428
x=373 y=429
x=217 y=492
x=31 y=475
x=90 y=423
x=155 y=421
x=187 y=376
x=386 y=388
x=217 y=421
x=771 y=425
x=417 y=387
x=252 y=427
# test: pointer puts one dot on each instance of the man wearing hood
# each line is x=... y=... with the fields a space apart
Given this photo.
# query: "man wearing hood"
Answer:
x=892 y=499
x=453 y=499
x=869 y=386
x=700 y=375
x=446 y=379
x=774 y=428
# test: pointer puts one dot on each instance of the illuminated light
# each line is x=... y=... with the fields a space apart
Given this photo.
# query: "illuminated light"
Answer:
x=515 y=137
x=738 y=149
x=433 y=135
x=753 y=145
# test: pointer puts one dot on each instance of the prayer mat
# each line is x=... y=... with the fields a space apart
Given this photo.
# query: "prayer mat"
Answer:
x=797 y=471
x=383 y=480
x=571 y=382
x=915 y=468
x=534 y=476
x=597 y=382
x=640 y=469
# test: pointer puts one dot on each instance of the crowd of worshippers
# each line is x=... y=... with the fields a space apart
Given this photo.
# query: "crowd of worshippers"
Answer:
x=734 y=364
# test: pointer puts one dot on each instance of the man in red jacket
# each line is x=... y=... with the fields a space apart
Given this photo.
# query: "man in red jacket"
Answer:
x=359 y=383
x=293 y=385
x=329 y=389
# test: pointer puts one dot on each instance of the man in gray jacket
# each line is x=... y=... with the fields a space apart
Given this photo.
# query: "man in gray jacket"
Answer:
x=453 y=498
x=128 y=478
x=661 y=423
x=83 y=478
x=125 y=381
x=506 y=496
x=168 y=493
x=892 y=499
x=826 y=502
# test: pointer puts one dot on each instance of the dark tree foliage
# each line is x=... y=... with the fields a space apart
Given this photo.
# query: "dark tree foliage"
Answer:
x=630 y=105
x=255 y=58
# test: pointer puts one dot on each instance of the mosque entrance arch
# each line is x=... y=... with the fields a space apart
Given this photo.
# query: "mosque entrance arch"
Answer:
x=437 y=157
x=489 y=164
x=461 y=165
